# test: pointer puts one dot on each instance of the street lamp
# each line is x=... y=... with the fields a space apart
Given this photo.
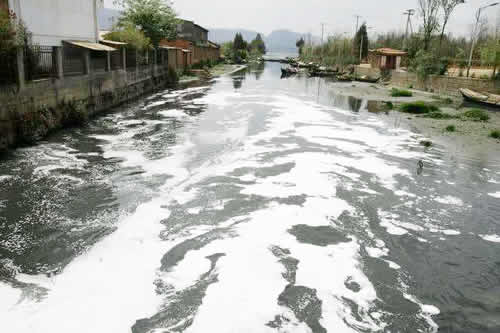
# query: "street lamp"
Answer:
x=475 y=32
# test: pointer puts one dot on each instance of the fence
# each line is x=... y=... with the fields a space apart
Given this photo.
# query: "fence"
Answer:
x=73 y=62
x=39 y=63
x=98 y=61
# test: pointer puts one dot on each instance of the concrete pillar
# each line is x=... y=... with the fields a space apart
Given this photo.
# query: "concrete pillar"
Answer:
x=86 y=62
x=58 y=52
x=108 y=61
x=124 y=58
x=21 y=78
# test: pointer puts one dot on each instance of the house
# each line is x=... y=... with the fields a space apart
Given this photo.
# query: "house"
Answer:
x=54 y=21
x=192 y=32
x=386 y=58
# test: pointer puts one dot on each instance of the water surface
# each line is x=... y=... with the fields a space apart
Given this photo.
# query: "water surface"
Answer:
x=248 y=204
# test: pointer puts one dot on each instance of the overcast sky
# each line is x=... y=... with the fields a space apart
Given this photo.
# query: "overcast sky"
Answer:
x=306 y=15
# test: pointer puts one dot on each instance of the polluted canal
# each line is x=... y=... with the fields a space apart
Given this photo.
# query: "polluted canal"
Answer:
x=248 y=203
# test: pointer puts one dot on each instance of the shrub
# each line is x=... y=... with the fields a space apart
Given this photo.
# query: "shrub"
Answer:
x=389 y=105
x=418 y=107
x=495 y=134
x=424 y=64
x=484 y=77
x=401 y=93
x=426 y=143
x=443 y=65
x=477 y=115
x=450 y=128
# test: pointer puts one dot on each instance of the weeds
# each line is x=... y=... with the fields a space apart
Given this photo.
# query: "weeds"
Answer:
x=477 y=115
x=395 y=92
x=450 y=128
x=418 y=107
x=439 y=115
x=495 y=134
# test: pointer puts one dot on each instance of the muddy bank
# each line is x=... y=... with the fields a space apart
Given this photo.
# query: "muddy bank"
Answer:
x=468 y=134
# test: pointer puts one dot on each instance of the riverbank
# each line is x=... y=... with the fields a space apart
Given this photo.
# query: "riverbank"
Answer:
x=216 y=71
x=467 y=133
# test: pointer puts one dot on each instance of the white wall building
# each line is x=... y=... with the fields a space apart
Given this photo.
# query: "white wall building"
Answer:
x=52 y=21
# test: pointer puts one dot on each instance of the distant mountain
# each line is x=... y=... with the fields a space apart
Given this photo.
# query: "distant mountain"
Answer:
x=282 y=41
x=107 y=17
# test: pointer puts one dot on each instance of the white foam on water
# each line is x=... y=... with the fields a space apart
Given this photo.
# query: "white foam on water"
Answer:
x=495 y=195
x=449 y=200
x=172 y=113
x=95 y=287
x=491 y=238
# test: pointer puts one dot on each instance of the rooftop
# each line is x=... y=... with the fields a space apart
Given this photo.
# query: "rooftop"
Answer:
x=389 y=51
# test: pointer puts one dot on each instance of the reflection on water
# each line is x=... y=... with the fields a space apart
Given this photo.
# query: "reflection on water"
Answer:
x=248 y=203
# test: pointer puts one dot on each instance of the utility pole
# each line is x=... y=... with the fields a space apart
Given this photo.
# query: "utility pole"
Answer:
x=361 y=45
x=409 y=26
x=357 y=23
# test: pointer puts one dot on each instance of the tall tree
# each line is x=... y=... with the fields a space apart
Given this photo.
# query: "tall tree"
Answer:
x=361 y=42
x=239 y=43
x=155 y=18
x=258 y=44
x=429 y=10
x=300 y=44
x=448 y=6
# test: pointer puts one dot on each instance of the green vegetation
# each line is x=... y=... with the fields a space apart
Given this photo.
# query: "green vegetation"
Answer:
x=439 y=115
x=239 y=51
x=127 y=33
x=477 y=115
x=418 y=107
x=389 y=105
x=361 y=42
x=426 y=143
x=395 y=92
x=450 y=128
x=495 y=134
x=155 y=18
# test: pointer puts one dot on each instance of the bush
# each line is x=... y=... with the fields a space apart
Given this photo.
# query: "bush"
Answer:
x=418 y=107
x=484 y=77
x=426 y=143
x=477 y=115
x=495 y=134
x=424 y=64
x=443 y=66
x=450 y=128
x=401 y=93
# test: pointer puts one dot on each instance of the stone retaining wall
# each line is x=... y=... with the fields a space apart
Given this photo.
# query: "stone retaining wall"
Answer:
x=443 y=85
x=31 y=114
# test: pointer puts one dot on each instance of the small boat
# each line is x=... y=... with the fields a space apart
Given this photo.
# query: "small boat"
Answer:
x=482 y=98
x=366 y=78
x=289 y=71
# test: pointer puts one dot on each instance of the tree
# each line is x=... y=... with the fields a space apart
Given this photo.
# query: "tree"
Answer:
x=258 y=45
x=155 y=18
x=429 y=10
x=130 y=35
x=300 y=44
x=361 y=42
x=490 y=53
x=448 y=6
x=239 y=43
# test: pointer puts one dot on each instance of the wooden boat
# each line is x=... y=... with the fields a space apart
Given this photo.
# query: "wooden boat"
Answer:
x=366 y=78
x=482 y=98
x=288 y=71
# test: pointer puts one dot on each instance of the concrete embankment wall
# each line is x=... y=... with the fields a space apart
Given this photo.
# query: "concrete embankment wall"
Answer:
x=443 y=84
x=44 y=106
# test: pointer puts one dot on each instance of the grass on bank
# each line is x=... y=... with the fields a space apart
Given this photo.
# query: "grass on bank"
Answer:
x=418 y=107
x=476 y=115
x=395 y=92
x=495 y=134
x=450 y=128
